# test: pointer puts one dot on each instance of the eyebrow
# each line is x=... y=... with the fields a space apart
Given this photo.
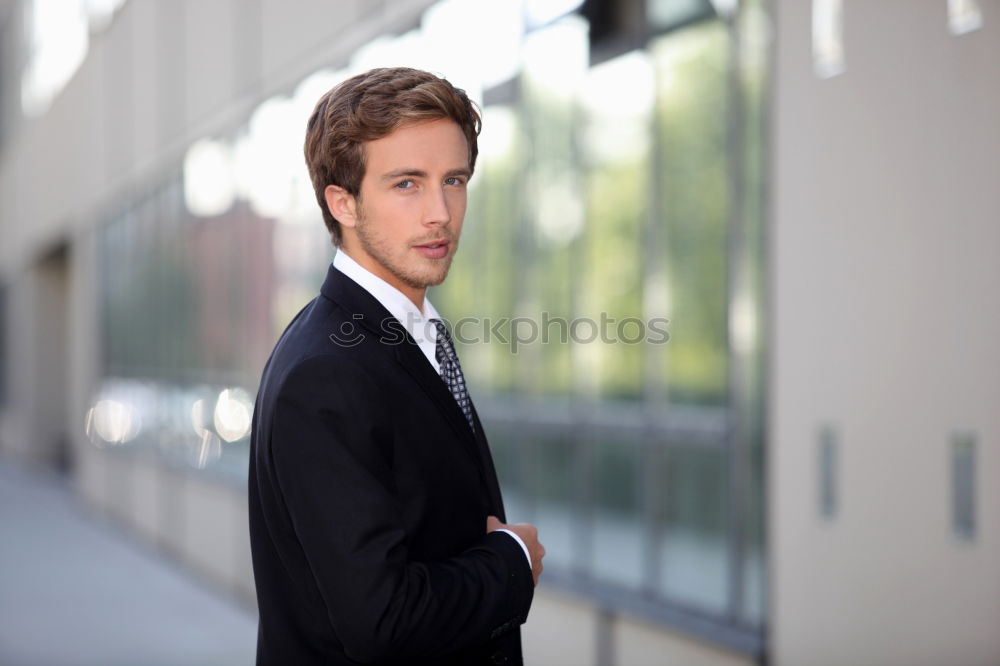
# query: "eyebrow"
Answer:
x=420 y=173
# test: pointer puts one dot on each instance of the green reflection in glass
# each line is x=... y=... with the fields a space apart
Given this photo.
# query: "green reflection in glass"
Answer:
x=550 y=237
x=617 y=98
x=150 y=317
x=692 y=184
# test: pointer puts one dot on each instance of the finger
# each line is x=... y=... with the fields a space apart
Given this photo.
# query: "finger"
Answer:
x=493 y=523
x=530 y=529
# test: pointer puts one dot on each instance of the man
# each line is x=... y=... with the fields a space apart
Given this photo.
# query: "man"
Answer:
x=376 y=522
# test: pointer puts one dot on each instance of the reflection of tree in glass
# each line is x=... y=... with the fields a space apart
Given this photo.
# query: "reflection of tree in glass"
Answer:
x=150 y=312
x=691 y=124
x=613 y=281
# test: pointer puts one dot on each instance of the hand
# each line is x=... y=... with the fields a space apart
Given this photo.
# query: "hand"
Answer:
x=529 y=535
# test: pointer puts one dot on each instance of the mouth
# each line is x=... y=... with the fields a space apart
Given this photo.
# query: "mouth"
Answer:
x=436 y=249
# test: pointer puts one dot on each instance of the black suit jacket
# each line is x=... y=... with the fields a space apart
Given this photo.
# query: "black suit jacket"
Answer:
x=368 y=500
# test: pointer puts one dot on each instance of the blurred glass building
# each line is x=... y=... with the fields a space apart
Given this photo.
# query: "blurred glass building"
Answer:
x=630 y=265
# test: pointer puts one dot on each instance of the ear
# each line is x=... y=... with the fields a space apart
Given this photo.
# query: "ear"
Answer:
x=342 y=205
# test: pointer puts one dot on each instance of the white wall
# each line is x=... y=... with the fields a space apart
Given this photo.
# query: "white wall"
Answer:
x=885 y=257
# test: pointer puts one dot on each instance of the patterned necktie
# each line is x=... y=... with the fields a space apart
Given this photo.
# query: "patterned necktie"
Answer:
x=451 y=371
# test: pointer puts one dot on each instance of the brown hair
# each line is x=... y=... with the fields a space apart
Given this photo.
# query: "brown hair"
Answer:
x=370 y=106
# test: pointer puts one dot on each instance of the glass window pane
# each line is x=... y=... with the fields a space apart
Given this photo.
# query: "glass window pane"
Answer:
x=553 y=487
x=691 y=508
x=694 y=208
x=618 y=98
x=617 y=528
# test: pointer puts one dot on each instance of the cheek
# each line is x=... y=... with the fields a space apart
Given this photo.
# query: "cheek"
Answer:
x=395 y=211
x=457 y=201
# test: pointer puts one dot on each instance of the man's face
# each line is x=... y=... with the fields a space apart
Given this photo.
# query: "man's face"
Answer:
x=412 y=203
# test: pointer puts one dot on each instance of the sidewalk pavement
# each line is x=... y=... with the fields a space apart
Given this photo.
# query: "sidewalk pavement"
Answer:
x=77 y=592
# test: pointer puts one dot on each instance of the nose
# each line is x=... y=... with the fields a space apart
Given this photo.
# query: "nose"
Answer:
x=436 y=210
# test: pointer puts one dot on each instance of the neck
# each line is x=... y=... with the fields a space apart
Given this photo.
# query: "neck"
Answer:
x=369 y=263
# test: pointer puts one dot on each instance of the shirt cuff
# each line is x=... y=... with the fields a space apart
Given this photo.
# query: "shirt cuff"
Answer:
x=520 y=543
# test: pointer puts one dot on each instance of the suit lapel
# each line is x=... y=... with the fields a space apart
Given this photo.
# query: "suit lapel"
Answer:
x=486 y=460
x=415 y=363
x=370 y=314
x=413 y=360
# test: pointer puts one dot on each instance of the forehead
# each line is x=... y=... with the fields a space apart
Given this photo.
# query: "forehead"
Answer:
x=433 y=145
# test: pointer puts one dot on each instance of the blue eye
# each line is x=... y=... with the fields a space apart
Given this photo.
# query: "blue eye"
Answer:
x=404 y=184
x=454 y=180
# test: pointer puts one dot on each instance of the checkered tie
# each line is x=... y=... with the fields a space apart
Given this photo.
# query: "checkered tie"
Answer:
x=451 y=371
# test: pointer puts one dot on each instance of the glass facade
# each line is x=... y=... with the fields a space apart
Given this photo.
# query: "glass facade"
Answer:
x=190 y=309
x=606 y=302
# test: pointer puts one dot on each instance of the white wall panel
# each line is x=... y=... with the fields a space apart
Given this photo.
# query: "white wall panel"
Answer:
x=146 y=89
x=295 y=29
x=208 y=57
x=884 y=247
x=116 y=61
x=638 y=643
x=559 y=631
x=210 y=524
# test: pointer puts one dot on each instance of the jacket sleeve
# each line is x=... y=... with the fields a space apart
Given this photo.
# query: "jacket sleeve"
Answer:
x=336 y=484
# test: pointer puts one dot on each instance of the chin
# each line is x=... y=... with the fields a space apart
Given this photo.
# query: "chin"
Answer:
x=435 y=274
x=435 y=280
x=430 y=278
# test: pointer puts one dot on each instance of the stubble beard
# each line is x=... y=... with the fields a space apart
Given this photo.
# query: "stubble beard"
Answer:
x=434 y=271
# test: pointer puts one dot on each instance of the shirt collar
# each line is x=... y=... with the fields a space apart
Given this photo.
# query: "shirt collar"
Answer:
x=416 y=323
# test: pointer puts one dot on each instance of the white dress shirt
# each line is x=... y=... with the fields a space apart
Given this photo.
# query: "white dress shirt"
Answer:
x=418 y=324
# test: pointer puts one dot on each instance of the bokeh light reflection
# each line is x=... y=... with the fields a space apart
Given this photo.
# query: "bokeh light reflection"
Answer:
x=112 y=422
x=233 y=414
